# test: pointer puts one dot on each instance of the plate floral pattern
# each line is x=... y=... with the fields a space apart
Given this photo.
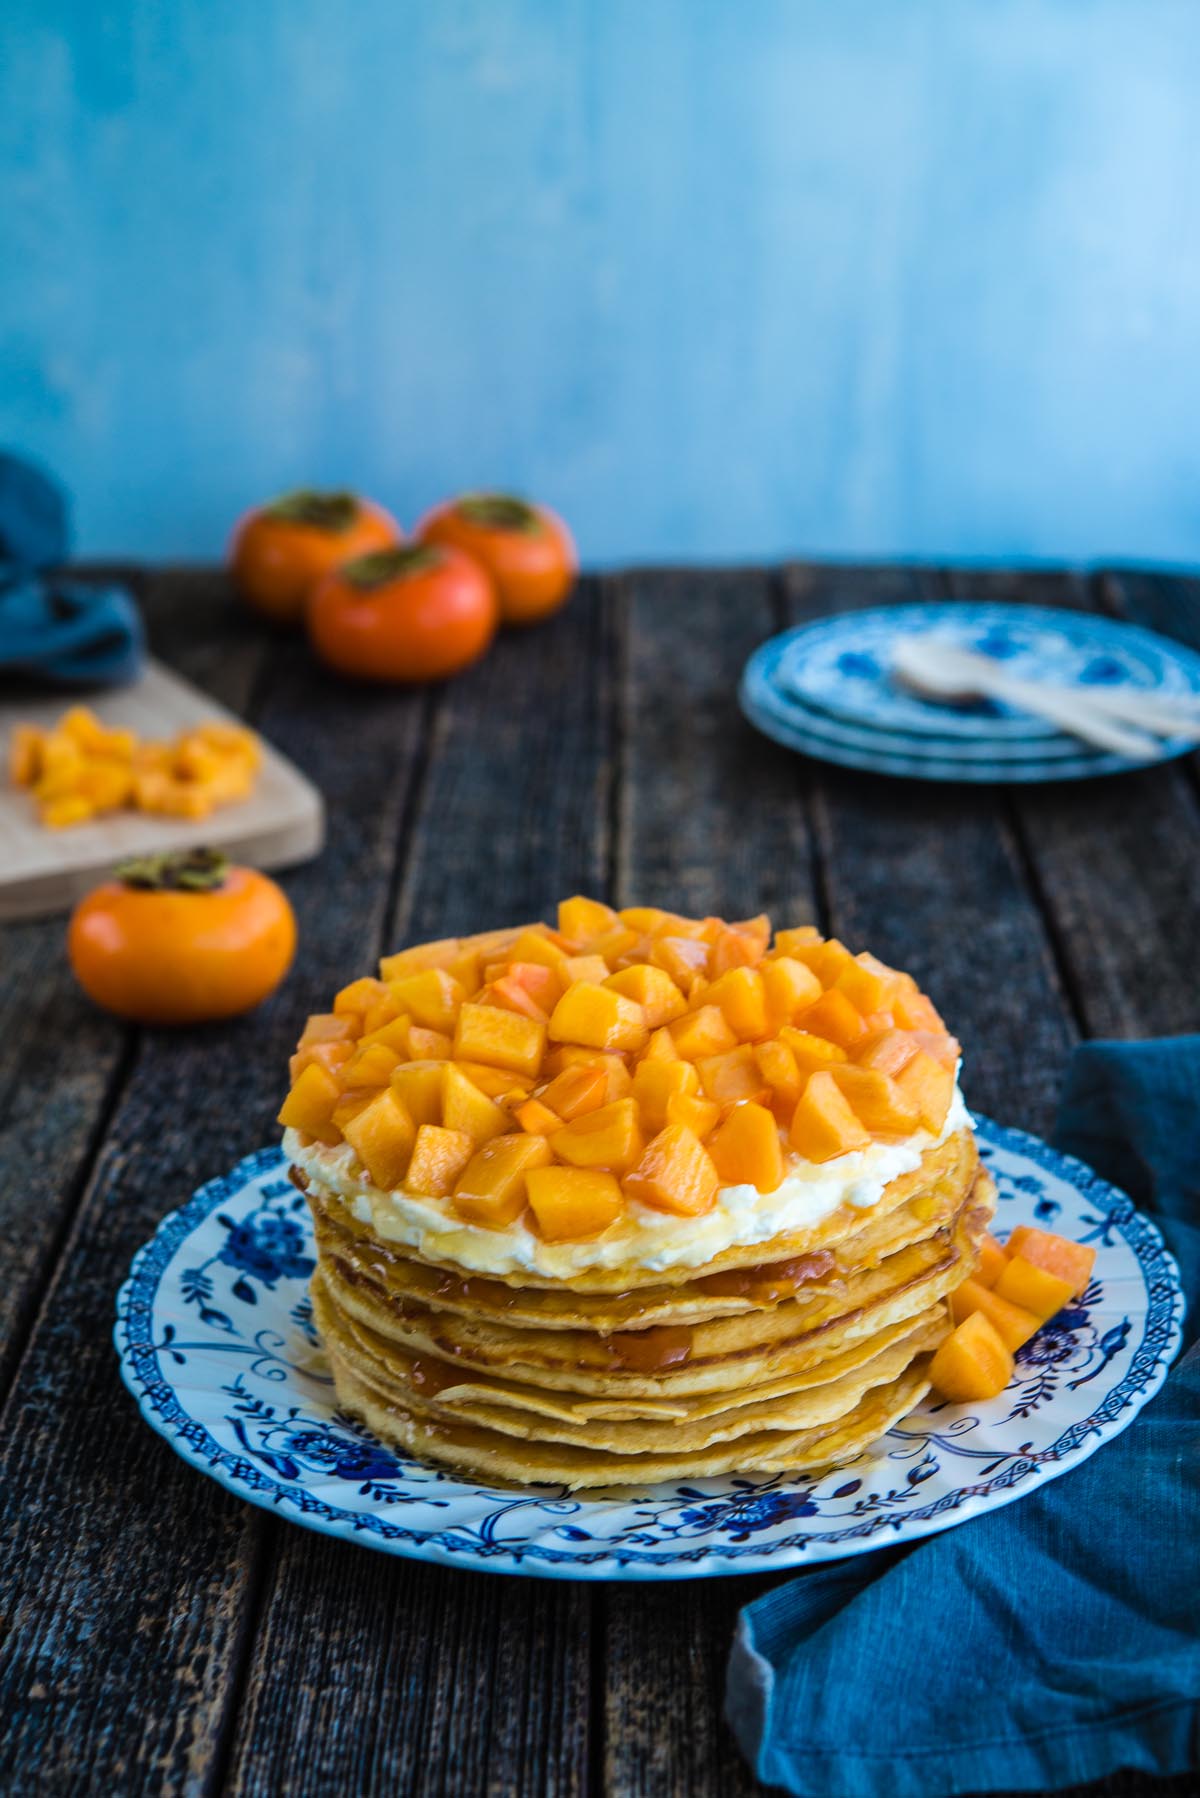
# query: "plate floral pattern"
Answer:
x=216 y=1342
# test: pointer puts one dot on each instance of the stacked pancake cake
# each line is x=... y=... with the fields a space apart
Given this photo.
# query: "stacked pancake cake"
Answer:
x=639 y=1197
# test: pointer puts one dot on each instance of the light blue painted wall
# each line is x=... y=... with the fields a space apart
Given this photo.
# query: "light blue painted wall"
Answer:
x=719 y=278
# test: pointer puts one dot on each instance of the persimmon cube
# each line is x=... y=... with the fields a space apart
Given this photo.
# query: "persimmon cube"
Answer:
x=614 y=945
x=1023 y=1283
x=573 y=1203
x=309 y=1105
x=382 y=1135
x=422 y=955
x=327 y=1027
x=661 y=1046
x=432 y=998
x=576 y=1090
x=685 y=959
x=655 y=1082
x=876 y=1100
x=371 y=1066
x=328 y=1055
x=742 y=997
x=1071 y=1261
x=384 y=1011
x=537 y=944
x=597 y=1018
x=355 y=998
x=467 y=969
x=887 y=1051
x=735 y=948
x=419 y=1085
x=537 y=1118
x=487 y=944
x=788 y=988
x=757 y=928
x=973 y=1363
x=675 y=1173
x=812 y=1054
x=699 y=930
x=592 y=968
x=642 y=918
x=465 y=1108
x=700 y=1116
x=913 y=1011
x=544 y=984
x=823 y=1124
x=835 y=1018
x=992 y=1262
x=702 y=1032
x=429 y=1045
x=491 y=1188
x=730 y=1077
x=495 y=1082
x=501 y=1038
x=575 y=1055
x=929 y=1087
x=746 y=1150
x=802 y=936
x=779 y=1070
x=652 y=989
x=580 y=919
x=1012 y=1323
x=513 y=996
x=610 y=1137
x=945 y=1049
x=867 y=984
x=350 y=1104
x=438 y=1159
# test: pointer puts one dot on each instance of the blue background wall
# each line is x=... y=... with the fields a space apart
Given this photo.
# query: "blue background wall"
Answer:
x=719 y=278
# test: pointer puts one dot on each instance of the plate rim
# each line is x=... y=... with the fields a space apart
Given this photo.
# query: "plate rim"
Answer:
x=158 y=1402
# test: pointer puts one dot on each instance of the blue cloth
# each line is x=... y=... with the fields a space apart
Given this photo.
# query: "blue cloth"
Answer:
x=1046 y=1644
x=50 y=626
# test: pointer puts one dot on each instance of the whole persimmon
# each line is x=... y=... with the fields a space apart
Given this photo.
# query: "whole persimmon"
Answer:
x=182 y=939
x=527 y=550
x=415 y=613
x=280 y=551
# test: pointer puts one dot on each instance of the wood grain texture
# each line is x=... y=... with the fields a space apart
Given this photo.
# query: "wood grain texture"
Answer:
x=128 y=1602
x=451 y=1682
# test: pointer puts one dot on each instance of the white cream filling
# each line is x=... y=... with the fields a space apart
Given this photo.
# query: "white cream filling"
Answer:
x=642 y=1237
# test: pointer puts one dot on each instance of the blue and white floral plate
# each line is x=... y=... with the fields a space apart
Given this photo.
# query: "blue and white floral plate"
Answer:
x=216 y=1342
x=826 y=690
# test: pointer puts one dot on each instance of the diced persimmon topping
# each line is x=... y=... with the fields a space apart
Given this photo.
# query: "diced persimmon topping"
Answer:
x=554 y=1075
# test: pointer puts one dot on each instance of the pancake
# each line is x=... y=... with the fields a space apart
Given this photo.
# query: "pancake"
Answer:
x=648 y=1199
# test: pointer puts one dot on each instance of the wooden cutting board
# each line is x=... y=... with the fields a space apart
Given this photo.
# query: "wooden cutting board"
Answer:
x=44 y=871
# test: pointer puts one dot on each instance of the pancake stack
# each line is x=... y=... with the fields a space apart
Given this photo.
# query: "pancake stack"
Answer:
x=777 y=1330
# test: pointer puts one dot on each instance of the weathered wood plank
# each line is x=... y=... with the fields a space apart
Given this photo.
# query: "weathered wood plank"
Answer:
x=407 y=1677
x=1116 y=862
x=127 y=1602
x=51 y=1039
x=713 y=819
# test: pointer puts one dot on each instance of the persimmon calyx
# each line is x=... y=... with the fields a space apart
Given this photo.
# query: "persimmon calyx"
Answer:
x=383 y=566
x=183 y=871
x=499 y=512
x=324 y=511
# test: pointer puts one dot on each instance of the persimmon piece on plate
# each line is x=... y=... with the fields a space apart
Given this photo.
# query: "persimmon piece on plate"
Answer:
x=742 y=997
x=1057 y=1254
x=703 y=1032
x=876 y=1100
x=992 y=1261
x=467 y=1109
x=382 y=1135
x=440 y=954
x=656 y=1082
x=432 y=997
x=419 y=1084
x=651 y=988
x=575 y=1055
x=812 y=1053
x=746 y=1149
x=372 y=1066
x=973 y=1363
x=309 y=1105
x=789 y=987
x=354 y=999
x=867 y=984
x=537 y=1118
x=928 y=1086
x=834 y=1017
x=491 y=1188
x=438 y=1159
x=1023 y=1283
x=592 y=968
x=1012 y=1323
x=575 y=1091
x=573 y=1203
x=429 y=1045
x=676 y=1173
x=580 y=919
x=888 y=1051
x=328 y=1055
x=701 y=1116
x=610 y=1137
x=730 y=1077
x=823 y=1125
x=597 y=1018
x=501 y=1038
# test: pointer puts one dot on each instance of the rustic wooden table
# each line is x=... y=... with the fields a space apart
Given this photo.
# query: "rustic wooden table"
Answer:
x=159 y=1636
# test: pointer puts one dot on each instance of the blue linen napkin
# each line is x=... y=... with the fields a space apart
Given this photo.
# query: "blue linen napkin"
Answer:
x=1046 y=1644
x=52 y=626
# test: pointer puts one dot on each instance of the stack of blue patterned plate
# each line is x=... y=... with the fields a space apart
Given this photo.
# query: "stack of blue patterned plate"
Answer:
x=827 y=689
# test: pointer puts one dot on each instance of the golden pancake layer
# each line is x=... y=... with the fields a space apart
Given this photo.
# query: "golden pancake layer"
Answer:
x=709 y=1223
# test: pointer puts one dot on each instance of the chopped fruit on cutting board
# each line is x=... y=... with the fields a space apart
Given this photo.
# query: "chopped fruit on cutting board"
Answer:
x=622 y=1058
x=1017 y=1287
x=80 y=769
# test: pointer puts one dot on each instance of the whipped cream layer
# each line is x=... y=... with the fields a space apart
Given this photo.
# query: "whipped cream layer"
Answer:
x=642 y=1237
